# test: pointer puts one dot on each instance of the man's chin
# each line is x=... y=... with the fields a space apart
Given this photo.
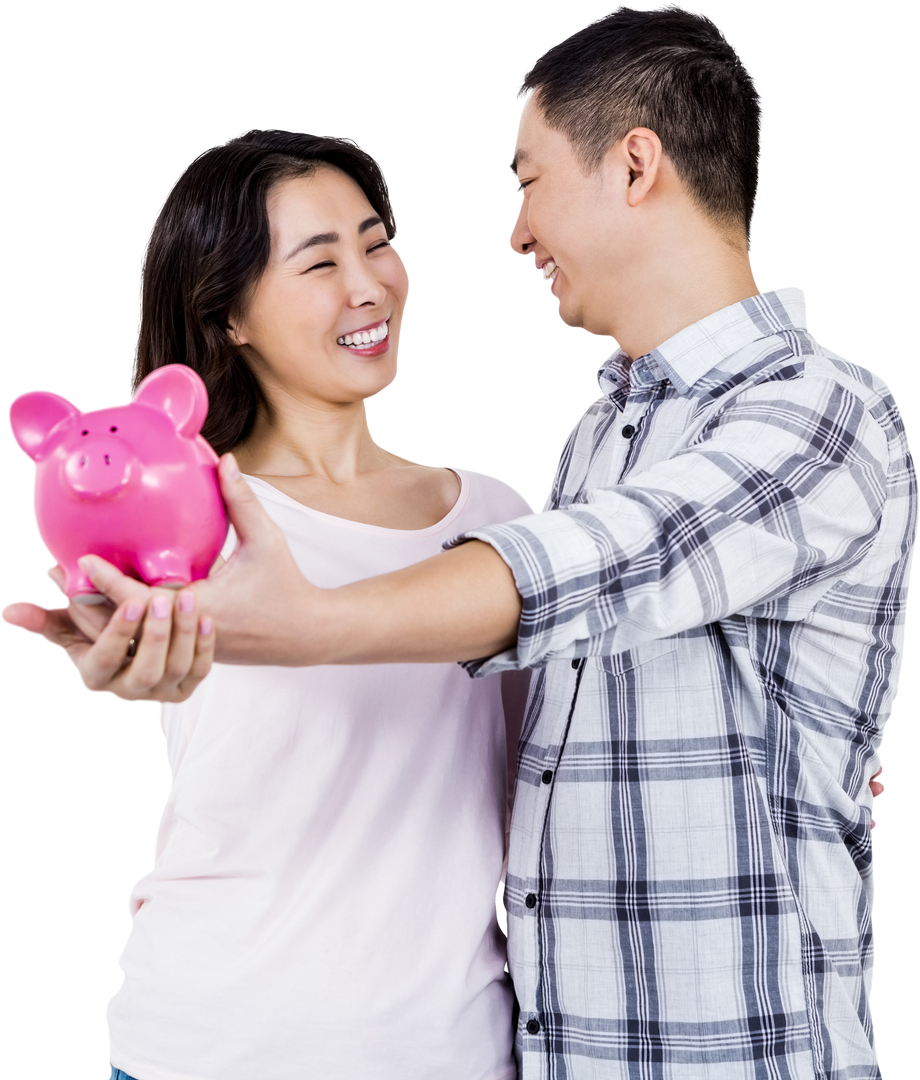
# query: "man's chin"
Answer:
x=573 y=321
x=571 y=316
x=576 y=322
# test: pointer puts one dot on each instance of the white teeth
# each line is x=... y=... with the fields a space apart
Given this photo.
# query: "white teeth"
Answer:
x=363 y=338
x=549 y=269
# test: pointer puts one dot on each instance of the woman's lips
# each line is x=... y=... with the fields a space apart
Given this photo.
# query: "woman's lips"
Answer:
x=373 y=340
x=371 y=351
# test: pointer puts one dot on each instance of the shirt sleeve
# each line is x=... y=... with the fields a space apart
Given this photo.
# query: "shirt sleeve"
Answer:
x=779 y=495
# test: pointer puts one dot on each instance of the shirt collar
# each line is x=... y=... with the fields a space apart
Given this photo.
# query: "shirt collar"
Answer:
x=708 y=344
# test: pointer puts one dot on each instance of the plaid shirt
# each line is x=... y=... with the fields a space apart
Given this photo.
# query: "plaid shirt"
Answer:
x=714 y=603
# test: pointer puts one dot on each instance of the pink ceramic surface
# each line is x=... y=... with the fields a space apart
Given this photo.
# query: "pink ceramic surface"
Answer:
x=135 y=484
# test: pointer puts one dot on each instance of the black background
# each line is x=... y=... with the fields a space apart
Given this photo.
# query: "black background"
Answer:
x=489 y=377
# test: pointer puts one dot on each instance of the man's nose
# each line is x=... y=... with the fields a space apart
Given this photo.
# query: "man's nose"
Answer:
x=522 y=239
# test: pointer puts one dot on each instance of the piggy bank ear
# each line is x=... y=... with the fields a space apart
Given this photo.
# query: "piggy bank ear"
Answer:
x=176 y=390
x=34 y=415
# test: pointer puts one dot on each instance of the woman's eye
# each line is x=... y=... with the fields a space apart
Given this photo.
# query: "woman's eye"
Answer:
x=376 y=247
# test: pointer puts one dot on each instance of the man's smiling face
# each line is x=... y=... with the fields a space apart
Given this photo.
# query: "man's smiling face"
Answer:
x=572 y=221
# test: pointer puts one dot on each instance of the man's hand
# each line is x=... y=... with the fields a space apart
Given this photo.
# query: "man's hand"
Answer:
x=264 y=609
x=459 y=605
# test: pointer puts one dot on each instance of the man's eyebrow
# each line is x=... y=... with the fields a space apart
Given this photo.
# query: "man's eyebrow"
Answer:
x=519 y=156
x=331 y=237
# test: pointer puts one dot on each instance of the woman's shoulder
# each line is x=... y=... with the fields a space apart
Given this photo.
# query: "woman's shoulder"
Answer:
x=495 y=487
x=490 y=500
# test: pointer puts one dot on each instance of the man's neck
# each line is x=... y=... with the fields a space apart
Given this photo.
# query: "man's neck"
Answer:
x=684 y=277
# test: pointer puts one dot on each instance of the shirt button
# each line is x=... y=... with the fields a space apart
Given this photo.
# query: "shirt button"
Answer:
x=547 y=776
x=575 y=663
x=628 y=431
x=530 y=900
x=533 y=1027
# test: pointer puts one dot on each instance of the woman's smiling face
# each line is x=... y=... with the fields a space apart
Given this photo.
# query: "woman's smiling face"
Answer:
x=322 y=323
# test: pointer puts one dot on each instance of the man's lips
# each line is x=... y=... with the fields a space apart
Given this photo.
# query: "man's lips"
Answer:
x=546 y=270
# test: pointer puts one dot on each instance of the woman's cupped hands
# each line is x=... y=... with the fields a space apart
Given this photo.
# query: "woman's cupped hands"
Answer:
x=157 y=644
x=150 y=646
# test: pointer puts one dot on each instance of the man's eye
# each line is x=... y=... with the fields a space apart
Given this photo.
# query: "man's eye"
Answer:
x=523 y=184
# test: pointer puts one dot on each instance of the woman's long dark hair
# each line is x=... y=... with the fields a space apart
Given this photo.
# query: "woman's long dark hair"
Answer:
x=207 y=251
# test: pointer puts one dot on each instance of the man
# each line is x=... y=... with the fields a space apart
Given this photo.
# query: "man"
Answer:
x=712 y=603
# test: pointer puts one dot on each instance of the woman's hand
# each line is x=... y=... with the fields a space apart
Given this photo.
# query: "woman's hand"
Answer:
x=151 y=647
x=876 y=786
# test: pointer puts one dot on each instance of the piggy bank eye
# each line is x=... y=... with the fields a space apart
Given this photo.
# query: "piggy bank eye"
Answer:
x=84 y=433
x=113 y=428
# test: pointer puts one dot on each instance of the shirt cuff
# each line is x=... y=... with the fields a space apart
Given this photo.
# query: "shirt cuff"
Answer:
x=503 y=661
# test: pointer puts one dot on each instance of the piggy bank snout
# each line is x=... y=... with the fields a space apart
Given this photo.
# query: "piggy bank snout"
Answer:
x=99 y=467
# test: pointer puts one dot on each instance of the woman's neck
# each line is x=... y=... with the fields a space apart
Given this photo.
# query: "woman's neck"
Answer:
x=294 y=438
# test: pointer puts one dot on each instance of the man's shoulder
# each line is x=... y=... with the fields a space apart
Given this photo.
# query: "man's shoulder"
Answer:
x=859 y=380
x=785 y=364
x=826 y=359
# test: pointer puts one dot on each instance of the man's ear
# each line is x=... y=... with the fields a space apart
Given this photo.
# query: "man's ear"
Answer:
x=641 y=150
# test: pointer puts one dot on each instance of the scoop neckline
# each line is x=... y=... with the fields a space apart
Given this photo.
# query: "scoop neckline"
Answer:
x=279 y=496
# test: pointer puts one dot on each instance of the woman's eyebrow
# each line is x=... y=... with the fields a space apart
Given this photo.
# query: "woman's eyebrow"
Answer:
x=331 y=237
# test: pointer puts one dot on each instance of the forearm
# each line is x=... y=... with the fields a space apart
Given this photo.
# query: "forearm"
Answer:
x=459 y=605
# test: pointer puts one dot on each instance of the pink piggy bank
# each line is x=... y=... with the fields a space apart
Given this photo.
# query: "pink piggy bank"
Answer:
x=136 y=484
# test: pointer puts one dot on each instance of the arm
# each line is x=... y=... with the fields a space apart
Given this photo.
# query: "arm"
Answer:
x=259 y=609
x=790 y=478
x=779 y=496
x=458 y=605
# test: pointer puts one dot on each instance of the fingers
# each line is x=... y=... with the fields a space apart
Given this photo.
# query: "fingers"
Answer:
x=57 y=625
x=244 y=509
x=91 y=619
x=111 y=582
x=158 y=651
x=27 y=616
x=875 y=785
x=191 y=649
x=174 y=650
x=100 y=664
x=202 y=660
x=59 y=578
x=148 y=665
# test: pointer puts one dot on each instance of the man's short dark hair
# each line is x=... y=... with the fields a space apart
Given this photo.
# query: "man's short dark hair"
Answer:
x=669 y=71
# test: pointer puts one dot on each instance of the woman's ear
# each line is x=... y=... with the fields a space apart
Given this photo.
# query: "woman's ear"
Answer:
x=236 y=332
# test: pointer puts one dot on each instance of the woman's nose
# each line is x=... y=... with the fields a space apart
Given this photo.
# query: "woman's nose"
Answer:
x=365 y=288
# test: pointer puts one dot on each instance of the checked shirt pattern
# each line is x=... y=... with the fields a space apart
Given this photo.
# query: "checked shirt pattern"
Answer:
x=713 y=606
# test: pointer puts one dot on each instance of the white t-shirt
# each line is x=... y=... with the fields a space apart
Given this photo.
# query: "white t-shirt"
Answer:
x=322 y=903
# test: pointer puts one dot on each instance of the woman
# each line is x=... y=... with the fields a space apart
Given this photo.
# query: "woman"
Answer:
x=323 y=897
